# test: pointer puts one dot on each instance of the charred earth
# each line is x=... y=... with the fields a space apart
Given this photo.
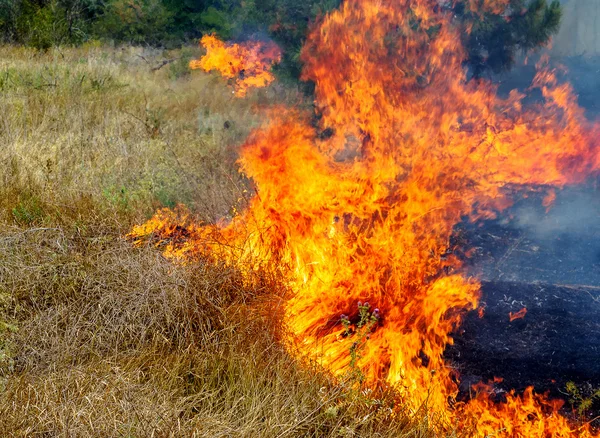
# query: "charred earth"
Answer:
x=549 y=264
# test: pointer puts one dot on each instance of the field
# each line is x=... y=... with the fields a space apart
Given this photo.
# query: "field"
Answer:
x=99 y=338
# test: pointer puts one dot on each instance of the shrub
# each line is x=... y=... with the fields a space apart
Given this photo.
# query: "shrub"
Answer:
x=46 y=23
x=135 y=21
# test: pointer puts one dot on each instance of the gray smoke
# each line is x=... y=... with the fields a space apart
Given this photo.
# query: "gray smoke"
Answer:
x=576 y=212
x=558 y=246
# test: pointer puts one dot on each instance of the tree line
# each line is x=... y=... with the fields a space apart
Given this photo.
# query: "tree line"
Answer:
x=492 y=43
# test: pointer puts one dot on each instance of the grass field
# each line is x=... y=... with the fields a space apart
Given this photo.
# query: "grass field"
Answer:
x=98 y=338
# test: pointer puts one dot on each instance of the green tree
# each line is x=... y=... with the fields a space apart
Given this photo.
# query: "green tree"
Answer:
x=492 y=44
x=135 y=21
x=44 y=23
x=286 y=21
x=496 y=38
x=186 y=17
x=290 y=26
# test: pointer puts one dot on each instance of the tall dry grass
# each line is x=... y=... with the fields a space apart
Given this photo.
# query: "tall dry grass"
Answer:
x=98 y=338
x=100 y=123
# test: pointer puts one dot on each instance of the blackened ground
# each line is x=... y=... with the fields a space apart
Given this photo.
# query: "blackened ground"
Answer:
x=548 y=263
x=532 y=244
x=557 y=341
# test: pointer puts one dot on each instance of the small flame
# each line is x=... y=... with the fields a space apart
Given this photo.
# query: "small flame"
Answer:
x=549 y=199
x=248 y=64
x=517 y=315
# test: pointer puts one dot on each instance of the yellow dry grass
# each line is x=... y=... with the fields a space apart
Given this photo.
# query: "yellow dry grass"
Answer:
x=98 y=338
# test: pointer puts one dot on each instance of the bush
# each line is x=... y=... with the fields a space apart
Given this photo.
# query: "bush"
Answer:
x=44 y=27
x=46 y=23
x=135 y=21
x=496 y=38
x=9 y=11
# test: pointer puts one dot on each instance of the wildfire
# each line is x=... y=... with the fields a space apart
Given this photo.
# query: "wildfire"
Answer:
x=366 y=214
x=248 y=64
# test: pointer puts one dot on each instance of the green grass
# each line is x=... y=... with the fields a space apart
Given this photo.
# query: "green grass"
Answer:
x=98 y=338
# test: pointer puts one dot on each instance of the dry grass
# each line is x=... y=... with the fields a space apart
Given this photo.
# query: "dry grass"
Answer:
x=101 y=123
x=98 y=338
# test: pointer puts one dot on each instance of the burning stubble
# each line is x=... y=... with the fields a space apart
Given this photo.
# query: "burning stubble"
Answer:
x=434 y=148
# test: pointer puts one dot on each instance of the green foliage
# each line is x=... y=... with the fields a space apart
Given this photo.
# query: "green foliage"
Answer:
x=28 y=211
x=495 y=39
x=45 y=23
x=186 y=21
x=135 y=21
x=492 y=43
x=43 y=27
x=292 y=21
x=9 y=11
x=580 y=402
x=361 y=332
x=216 y=21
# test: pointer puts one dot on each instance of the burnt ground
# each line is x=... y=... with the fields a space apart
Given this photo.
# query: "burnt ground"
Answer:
x=548 y=263
x=557 y=341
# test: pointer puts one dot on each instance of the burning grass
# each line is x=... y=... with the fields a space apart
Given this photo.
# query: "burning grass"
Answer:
x=110 y=340
x=98 y=338
x=366 y=213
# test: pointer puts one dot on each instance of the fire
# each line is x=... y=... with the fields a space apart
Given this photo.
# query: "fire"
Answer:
x=247 y=63
x=528 y=415
x=366 y=214
x=517 y=315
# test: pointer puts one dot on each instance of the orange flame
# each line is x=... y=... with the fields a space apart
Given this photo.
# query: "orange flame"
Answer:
x=517 y=315
x=366 y=214
x=248 y=63
x=481 y=312
x=549 y=200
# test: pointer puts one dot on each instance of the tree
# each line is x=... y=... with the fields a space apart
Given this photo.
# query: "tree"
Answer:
x=135 y=21
x=496 y=38
x=44 y=23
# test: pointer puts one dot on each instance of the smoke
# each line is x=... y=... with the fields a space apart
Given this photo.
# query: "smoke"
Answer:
x=574 y=51
x=575 y=213
x=584 y=74
x=560 y=244
x=533 y=244
x=579 y=34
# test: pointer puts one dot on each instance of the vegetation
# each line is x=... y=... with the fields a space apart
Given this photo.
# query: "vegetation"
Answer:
x=98 y=338
x=495 y=36
x=581 y=400
x=495 y=39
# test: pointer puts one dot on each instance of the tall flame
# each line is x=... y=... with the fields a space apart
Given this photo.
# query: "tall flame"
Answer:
x=365 y=214
x=247 y=63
